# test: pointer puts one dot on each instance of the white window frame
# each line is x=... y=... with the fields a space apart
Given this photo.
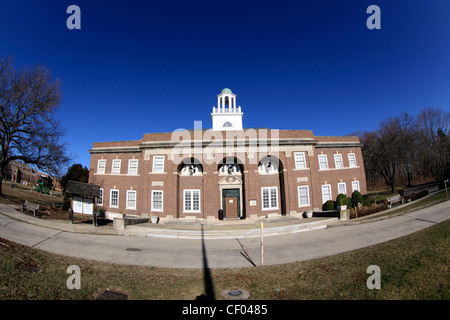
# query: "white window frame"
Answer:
x=100 y=198
x=101 y=169
x=132 y=169
x=111 y=198
x=353 y=188
x=323 y=195
x=191 y=192
x=337 y=159
x=119 y=161
x=162 y=201
x=352 y=160
x=345 y=187
x=158 y=167
x=307 y=194
x=323 y=156
x=300 y=163
x=128 y=199
x=271 y=206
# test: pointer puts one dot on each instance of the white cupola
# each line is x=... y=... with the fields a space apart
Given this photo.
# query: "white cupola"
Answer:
x=226 y=116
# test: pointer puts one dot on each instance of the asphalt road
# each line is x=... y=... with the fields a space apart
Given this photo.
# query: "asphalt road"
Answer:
x=176 y=253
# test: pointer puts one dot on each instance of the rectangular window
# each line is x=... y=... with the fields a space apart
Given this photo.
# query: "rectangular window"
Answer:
x=300 y=161
x=352 y=160
x=114 y=199
x=196 y=200
x=355 y=186
x=326 y=193
x=158 y=164
x=191 y=200
x=323 y=162
x=303 y=196
x=157 y=200
x=265 y=197
x=269 y=198
x=100 y=198
x=132 y=166
x=131 y=199
x=342 y=188
x=101 y=166
x=338 y=161
x=116 y=166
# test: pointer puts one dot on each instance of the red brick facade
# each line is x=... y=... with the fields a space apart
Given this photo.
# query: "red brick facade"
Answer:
x=192 y=184
x=22 y=173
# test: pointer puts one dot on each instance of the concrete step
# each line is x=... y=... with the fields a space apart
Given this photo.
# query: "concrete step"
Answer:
x=229 y=233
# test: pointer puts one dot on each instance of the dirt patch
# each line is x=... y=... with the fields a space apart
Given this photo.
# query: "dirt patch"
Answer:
x=28 y=267
x=110 y=295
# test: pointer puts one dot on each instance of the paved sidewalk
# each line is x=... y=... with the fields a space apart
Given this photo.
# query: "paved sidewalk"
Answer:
x=224 y=253
x=199 y=229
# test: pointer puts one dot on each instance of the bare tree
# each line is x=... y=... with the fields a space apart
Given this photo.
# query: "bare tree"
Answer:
x=382 y=150
x=29 y=131
x=408 y=145
x=433 y=125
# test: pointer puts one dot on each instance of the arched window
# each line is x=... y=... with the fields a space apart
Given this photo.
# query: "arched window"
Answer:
x=190 y=167
x=227 y=124
x=191 y=170
x=230 y=166
x=230 y=169
x=268 y=165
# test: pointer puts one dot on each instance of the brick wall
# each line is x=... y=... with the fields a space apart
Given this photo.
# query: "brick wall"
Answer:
x=287 y=180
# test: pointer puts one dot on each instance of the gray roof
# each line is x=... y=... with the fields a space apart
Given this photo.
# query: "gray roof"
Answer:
x=82 y=189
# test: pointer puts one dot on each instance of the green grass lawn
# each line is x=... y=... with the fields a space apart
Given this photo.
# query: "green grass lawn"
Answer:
x=412 y=267
x=18 y=194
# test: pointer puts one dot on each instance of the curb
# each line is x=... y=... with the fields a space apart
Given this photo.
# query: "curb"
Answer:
x=227 y=233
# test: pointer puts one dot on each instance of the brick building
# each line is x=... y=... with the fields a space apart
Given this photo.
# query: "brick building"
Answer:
x=247 y=173
x=20 y=172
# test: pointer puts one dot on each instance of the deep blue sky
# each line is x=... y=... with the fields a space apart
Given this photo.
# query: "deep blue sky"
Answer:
x=137 y=67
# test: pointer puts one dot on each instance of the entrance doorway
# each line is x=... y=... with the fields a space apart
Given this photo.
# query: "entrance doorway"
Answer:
x=231 y=207
x=231 y=203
